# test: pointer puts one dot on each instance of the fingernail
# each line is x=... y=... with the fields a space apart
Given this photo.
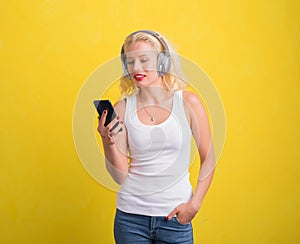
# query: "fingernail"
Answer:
x=167 y=218
x=105 y=111
x=118 y=117
x=121 y=122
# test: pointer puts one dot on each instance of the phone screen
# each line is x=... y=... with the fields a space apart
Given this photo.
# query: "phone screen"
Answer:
x=102 y=105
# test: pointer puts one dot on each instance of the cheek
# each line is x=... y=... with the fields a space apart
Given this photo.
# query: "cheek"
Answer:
x=151 y=66
x=129 y=68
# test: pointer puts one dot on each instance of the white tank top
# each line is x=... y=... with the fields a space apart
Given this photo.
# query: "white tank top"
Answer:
x=158 y=177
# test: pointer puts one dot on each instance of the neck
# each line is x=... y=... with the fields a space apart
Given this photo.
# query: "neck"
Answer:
x=153 y=95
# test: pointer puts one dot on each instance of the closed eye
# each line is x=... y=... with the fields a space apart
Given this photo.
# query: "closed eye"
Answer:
x=142 y=61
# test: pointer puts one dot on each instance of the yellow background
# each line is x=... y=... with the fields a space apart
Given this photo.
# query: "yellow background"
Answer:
x=250 y=49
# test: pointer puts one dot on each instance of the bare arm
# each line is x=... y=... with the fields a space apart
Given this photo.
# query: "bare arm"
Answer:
x=201 y=132
x=114 y=140
x=199 y=123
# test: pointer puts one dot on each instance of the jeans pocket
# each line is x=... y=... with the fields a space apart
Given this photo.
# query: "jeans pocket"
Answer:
x=178 y=222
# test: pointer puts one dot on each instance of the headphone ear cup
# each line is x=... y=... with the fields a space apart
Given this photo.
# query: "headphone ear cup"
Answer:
x=163 y=63
x=124 y=66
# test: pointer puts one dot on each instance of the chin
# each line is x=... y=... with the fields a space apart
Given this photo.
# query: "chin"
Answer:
x=140 y=84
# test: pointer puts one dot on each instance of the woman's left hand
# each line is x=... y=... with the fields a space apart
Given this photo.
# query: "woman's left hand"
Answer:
x=185 y=212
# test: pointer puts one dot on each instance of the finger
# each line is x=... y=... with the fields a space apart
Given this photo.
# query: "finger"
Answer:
x=112 y=122
x=103 y=117
x=100 y=126
x=170 y=215
x=117 y=129
x=109 y=136
x=121 y=126
x=114 y=126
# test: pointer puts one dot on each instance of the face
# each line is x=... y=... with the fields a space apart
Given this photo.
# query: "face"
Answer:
x=141 y=60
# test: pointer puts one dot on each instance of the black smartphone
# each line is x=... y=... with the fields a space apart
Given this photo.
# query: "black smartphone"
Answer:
x=102 y=105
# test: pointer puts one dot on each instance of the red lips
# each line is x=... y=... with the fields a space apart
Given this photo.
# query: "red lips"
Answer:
x=139 y=77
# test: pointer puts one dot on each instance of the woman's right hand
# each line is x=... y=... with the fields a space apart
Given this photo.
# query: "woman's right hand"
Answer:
x=108 y=133
x=114 y=140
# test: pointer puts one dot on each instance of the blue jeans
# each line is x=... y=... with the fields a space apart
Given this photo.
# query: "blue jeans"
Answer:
x=140 y=229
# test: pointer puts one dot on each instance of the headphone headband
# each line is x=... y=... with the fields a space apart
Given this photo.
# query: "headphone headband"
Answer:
x=152 y=33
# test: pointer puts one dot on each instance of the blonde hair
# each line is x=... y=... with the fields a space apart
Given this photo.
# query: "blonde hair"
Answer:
x=172 y=81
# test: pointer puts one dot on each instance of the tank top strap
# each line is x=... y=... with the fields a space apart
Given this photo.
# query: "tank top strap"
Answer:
x=179 y=108
x=130 y=108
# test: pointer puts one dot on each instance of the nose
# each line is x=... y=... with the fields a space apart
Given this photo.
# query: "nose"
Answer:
x=137 y=66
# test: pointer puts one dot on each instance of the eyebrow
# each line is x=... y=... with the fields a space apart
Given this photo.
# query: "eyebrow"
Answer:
x=139 y=56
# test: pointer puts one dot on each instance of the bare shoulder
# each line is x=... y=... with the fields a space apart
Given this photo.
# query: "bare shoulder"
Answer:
x=120 y=107
x=120 y=104
x=198 y=118
x=191 y=101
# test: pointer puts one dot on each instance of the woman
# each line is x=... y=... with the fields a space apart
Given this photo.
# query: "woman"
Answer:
x=147 y=146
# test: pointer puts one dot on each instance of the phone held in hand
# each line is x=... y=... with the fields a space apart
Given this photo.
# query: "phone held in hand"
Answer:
x=102 y=105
